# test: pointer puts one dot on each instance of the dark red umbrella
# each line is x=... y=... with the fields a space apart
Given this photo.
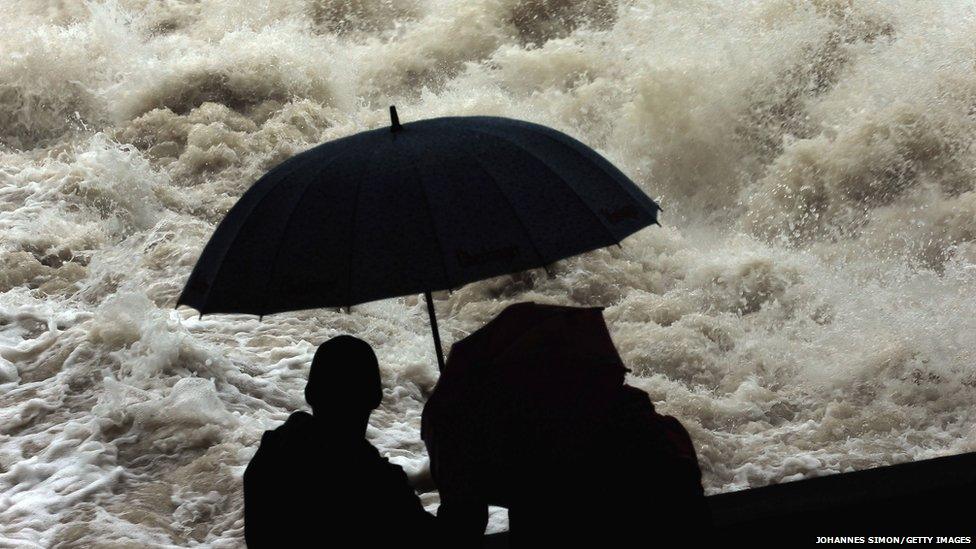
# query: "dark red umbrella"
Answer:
x=543 y=346
x=532 y=376
x=531 y=413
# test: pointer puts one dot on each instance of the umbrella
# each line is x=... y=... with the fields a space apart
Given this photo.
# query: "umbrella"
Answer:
x=413 y=208
x=543 y=345
x=531 y=413
x=533 y=381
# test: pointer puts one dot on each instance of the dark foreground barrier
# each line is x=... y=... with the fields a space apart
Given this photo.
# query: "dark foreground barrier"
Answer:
x=923 y=499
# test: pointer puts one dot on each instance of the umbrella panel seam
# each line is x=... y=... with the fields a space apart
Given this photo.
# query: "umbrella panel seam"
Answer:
x=511 y=206
x=288 y=223
x=430 y=216
x=639 y=196
x=559 y=177
x=240 y=227
x=352 y=223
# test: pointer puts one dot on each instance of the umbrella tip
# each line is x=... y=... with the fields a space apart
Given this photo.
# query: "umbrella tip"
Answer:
x=394 y=120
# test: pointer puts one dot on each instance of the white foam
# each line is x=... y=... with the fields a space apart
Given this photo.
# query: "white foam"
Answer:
x=806 y=309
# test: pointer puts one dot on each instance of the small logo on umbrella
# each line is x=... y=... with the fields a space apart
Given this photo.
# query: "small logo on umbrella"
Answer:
x=620 y=214
x=471 y=259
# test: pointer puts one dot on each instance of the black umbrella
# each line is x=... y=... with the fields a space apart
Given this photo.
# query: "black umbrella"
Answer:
x=419 y=207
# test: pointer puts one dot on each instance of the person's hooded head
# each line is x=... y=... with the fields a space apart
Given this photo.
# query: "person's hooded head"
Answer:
x=344 y=380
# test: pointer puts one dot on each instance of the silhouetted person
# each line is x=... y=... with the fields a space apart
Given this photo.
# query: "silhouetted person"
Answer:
x=532 y=413
x=620 y=475
x=317 y=481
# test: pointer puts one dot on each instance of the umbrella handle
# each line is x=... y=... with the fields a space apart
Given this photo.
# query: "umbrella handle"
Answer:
x=433 y=327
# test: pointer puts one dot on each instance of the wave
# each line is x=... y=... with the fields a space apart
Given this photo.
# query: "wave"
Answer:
x=806 y=308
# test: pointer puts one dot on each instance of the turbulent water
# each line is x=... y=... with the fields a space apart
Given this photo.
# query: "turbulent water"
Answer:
x=807 y=308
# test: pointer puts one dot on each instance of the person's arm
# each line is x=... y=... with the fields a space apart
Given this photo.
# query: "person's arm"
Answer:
x=259 y=500
x=404 y=502
x=422 y=480
x=463 y=512
x=463 y=522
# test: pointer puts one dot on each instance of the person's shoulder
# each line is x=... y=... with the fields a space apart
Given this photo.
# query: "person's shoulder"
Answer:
x=666 y=429
x=372 y=455
x=298 y=422
x=298 y=418
x=635 y=399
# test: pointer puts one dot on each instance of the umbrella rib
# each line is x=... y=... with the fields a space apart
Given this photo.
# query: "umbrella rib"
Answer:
x=640 y=197
x=549 y=168
x=237 y=232
x=281 y=238
x=352 y=225
x=433 y=222
x=511 y=206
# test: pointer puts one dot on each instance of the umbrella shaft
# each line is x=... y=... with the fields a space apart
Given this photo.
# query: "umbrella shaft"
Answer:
x=433 y=327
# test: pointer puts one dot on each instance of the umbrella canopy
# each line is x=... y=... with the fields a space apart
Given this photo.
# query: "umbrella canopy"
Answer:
x=418 y=207
x=544 y=346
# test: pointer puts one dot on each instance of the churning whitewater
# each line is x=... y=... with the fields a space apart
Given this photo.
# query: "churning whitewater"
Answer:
x=806 y=308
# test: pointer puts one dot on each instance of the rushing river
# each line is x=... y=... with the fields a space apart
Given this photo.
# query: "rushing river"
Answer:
x=808 y=306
